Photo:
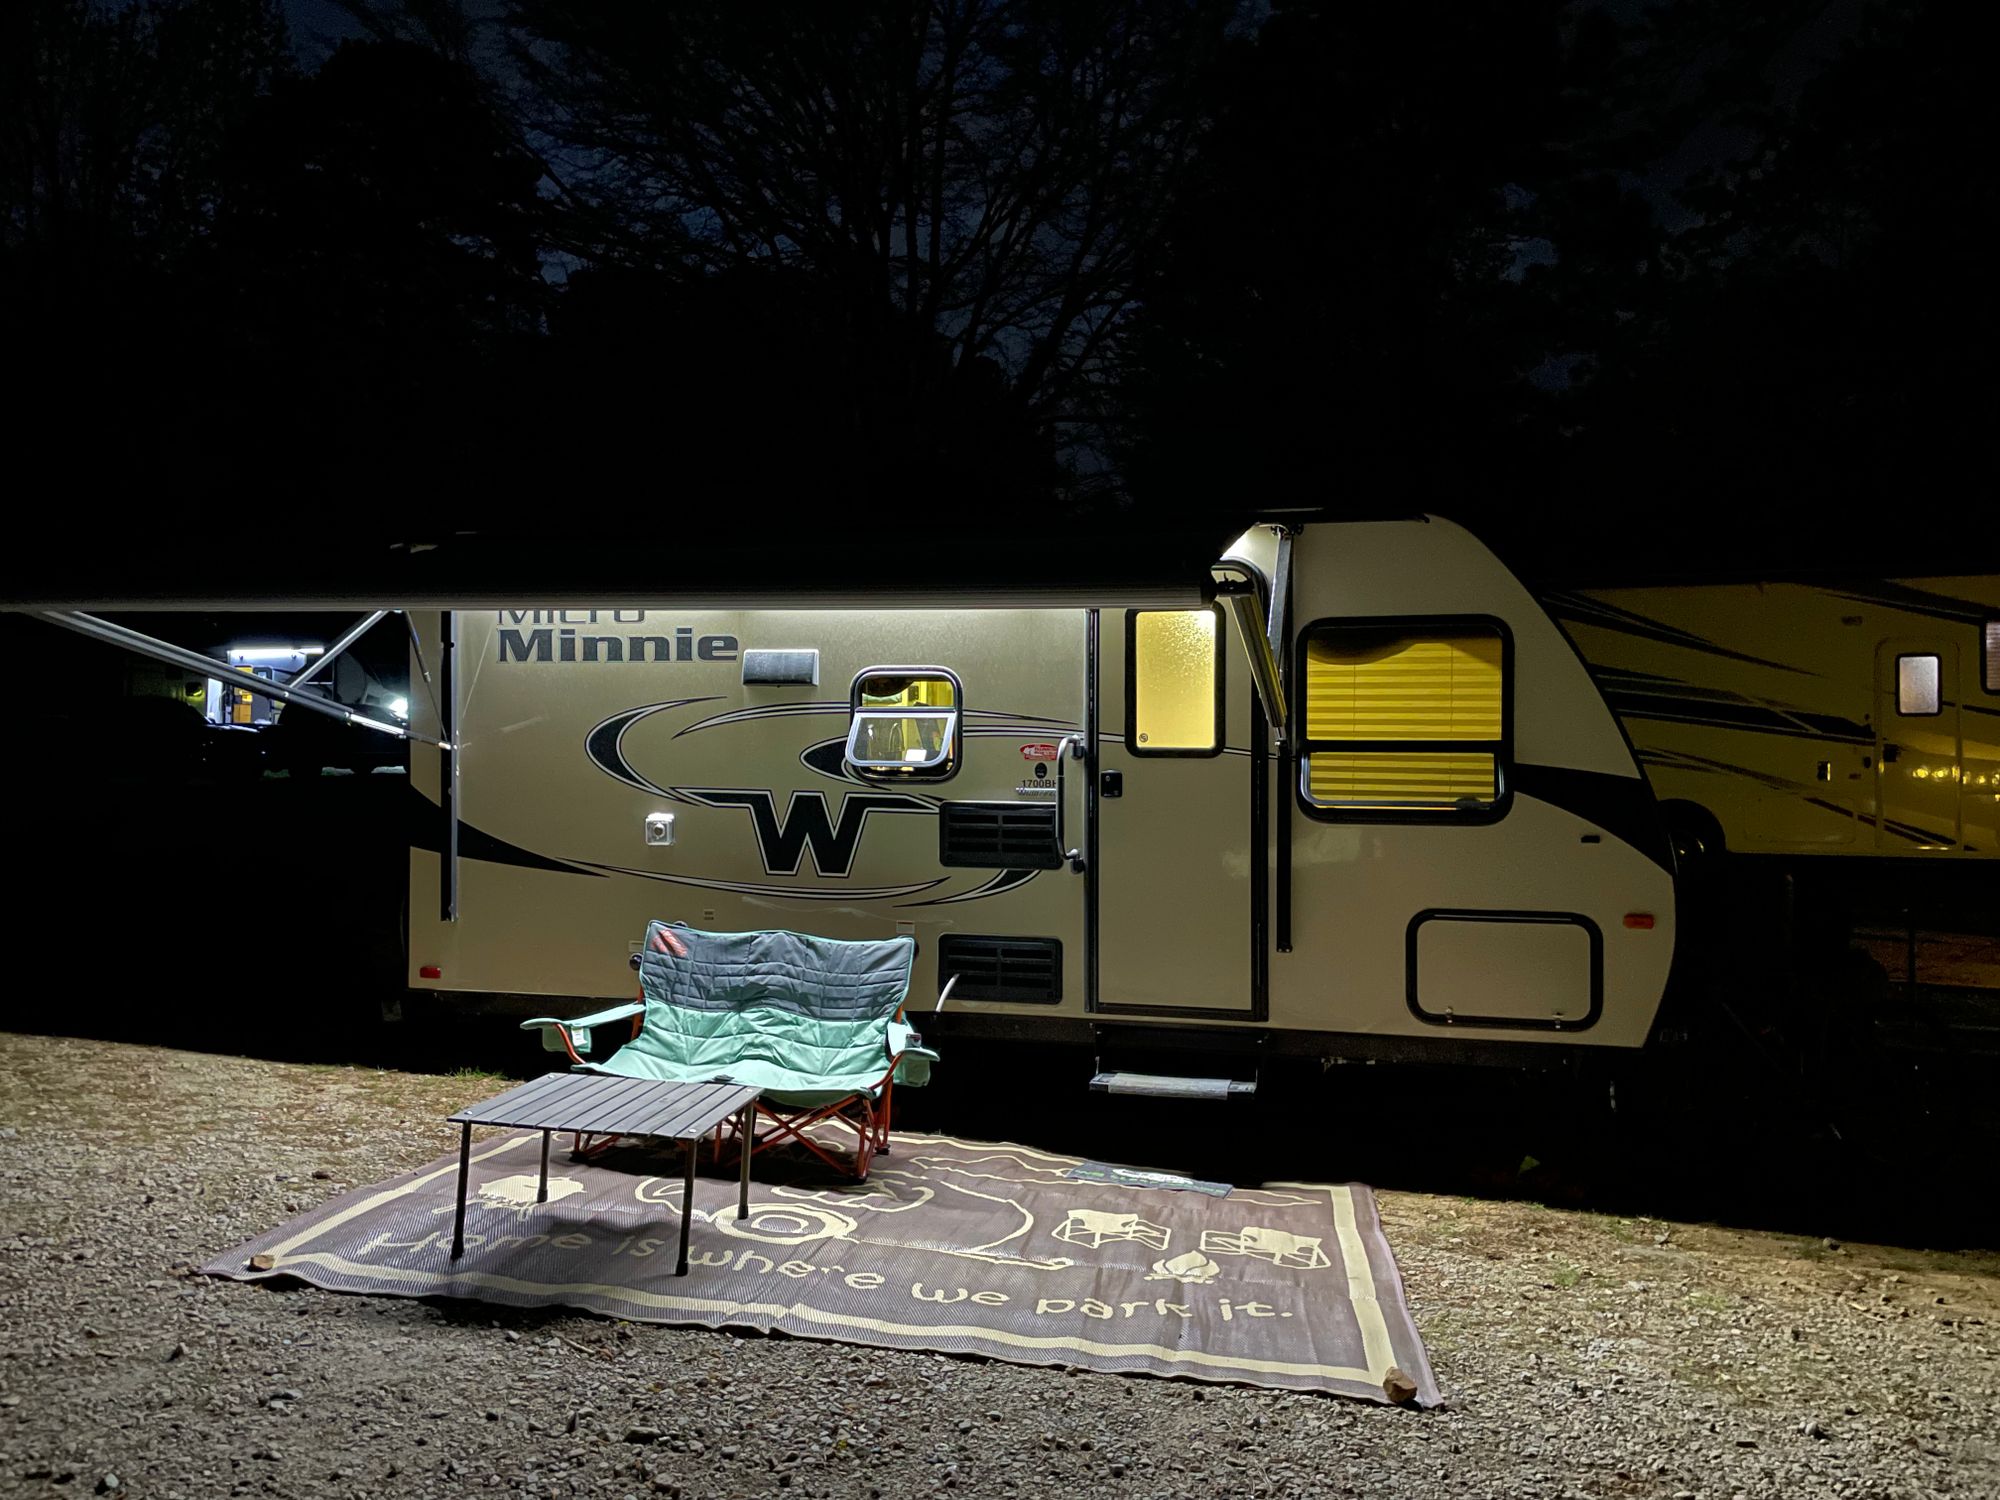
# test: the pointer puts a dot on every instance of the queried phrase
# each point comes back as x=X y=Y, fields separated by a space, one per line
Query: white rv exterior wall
x=1178 y=842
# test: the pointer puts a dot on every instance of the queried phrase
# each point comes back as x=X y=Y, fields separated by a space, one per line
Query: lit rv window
x=1403 y=719
x=905 y=724
x=1917 y=693
x=1174 y=663
x=1992 y=673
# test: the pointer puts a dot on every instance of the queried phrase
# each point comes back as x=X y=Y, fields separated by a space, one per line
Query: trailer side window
x=1992 y=673
x=1173 y=661
x=1917 y=690
x=904 y=724
x=1403 y=719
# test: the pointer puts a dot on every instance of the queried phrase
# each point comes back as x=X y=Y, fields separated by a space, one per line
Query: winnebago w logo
x=806 y=824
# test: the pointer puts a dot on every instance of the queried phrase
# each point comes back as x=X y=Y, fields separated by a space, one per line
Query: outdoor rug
x=955 y=1246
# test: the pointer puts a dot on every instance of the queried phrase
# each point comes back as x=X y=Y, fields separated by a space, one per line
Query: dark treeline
x=1690 y=282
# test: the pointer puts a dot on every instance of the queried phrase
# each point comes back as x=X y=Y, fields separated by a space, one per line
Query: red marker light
x=432 y=971
x=1639 y=921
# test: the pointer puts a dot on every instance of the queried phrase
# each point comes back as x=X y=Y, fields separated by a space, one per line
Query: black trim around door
x=1260 y=861
x=1092 y=686
x=1256 y=764
x=448 y=766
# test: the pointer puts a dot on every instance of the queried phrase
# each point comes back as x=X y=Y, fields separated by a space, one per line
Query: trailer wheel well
x=1695 y=831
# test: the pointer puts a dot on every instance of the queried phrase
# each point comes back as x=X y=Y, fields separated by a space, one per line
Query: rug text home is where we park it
x=954 y=1246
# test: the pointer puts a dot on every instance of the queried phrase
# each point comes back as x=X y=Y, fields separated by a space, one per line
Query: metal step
x=1170 y=1086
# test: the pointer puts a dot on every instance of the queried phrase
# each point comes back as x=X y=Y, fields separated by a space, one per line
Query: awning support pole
x=332 y=653
x=209 y=666
x=417 y=654
x=1274 y=624
x=448 y=765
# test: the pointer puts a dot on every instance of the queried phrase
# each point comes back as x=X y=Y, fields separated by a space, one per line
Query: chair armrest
x=623 y=1012
x=573 y=1035
x=909 y=1058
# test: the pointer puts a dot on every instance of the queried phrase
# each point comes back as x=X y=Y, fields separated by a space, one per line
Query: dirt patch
x=1579 y=1354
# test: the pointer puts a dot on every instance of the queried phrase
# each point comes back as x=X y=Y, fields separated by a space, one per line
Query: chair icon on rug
x=1297 y=1252
x=1091 y=1228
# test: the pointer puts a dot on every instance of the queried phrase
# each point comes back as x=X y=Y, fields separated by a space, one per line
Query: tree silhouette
x=1816 y=334
x=960 y=189
x=1559 y=271
x=1626 y=295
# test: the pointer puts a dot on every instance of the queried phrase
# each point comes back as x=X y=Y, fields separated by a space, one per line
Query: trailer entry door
x=1175 y=835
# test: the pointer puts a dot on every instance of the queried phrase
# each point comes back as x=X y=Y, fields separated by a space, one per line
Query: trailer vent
x=1024 y=970
x=998 y=835
x=781 y=668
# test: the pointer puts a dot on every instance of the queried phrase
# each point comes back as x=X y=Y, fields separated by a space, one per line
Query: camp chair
x=816 y=1023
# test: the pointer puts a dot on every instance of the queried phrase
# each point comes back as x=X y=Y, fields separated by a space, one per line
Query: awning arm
x=423 y=667
x=332 y=653
x=1257 y=604
x=209 y=666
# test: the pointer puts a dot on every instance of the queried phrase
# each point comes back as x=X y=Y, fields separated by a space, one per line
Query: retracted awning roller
x=1253 y=579
x=895 y=555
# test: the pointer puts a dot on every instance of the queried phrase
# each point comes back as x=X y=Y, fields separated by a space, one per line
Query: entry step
x=1170 y=1086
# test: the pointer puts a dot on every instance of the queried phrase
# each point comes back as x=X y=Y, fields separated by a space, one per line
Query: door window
x=1174 y=661
x=1917 y=694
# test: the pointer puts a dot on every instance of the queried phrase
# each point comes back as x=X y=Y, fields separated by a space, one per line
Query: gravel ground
x=1580 y=1355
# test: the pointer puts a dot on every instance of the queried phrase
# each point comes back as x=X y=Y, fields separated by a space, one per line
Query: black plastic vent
x=998 y=835
x=1026 y=970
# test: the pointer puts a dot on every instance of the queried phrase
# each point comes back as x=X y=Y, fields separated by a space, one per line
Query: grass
x=1708 y=1302
x=1565 y=1275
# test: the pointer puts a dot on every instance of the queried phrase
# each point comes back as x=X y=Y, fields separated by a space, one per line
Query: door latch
x=1111 y=784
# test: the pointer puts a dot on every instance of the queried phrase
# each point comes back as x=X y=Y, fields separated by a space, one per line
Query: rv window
x=1993 y=656
x=1173 y=661
x=1403 y=720
x=1917 y=693
x=904 y=724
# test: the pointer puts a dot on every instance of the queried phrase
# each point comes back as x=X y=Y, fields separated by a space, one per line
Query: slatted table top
x=599 y=1104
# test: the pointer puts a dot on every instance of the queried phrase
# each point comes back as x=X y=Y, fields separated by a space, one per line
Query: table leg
x=464 y=1170
x=542 y=1193
x=687 y=1202
x=743 y=1139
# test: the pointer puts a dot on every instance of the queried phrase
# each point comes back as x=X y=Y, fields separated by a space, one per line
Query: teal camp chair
x=814 y=1022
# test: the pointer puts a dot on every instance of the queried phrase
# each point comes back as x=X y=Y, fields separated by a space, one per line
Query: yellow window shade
x=1367 y=684
x=1173 y=681
x=1400 y=779
x=884 y=690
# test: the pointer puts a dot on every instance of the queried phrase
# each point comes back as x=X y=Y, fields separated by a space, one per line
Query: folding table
x=596 y=1104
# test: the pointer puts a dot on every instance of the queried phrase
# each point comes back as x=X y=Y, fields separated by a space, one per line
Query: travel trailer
x=1845 y=736
x=1365 y=803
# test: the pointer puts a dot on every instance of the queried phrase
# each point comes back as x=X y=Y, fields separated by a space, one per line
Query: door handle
x=1069 y=745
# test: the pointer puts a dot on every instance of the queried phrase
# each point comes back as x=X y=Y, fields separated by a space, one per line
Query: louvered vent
x=998 y=835
x=1025 y=970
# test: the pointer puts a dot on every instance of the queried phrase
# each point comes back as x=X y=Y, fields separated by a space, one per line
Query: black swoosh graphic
x=426 y=829
x=1622 y=806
